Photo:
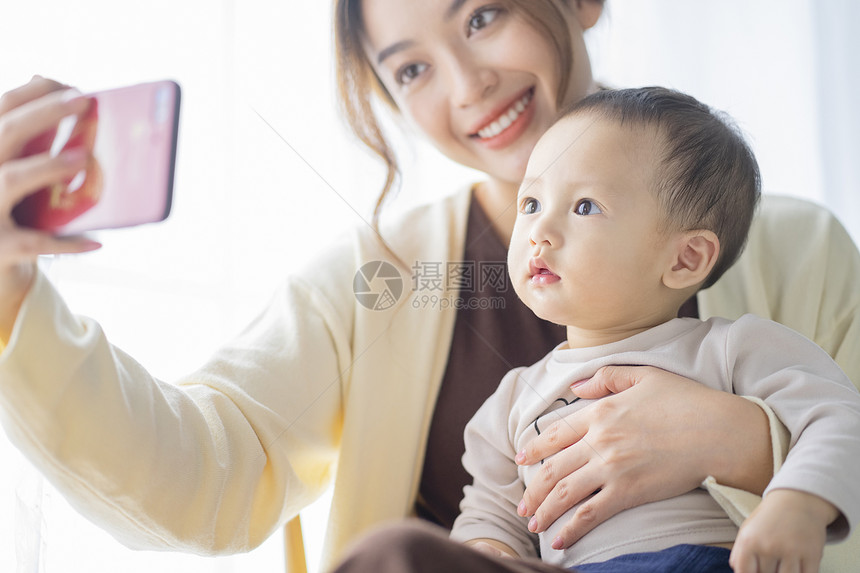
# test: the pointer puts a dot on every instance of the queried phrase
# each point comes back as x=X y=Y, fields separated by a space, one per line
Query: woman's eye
x=408 y=73
x=587 y=207
x=530 y=206
x=482 y=18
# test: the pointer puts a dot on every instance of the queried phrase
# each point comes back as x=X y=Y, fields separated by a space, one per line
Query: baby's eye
x=482 y=18
x=409 y=72
x=587 y=207
x=530 y=205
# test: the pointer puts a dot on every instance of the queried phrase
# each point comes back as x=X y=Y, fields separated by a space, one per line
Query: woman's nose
x=471 y=81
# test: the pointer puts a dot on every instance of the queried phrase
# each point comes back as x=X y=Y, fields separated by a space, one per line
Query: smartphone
x=132 y=132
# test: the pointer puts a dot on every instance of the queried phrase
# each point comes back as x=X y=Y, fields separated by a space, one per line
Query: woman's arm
x=211 y=465
x=660 y=436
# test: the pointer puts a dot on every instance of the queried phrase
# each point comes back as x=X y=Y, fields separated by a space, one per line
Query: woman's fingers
x=24 y=245
x=564 y=433
x=21 y=177
x=601 y=469
x=567 y=491
x=612 y=380
x=548 y=479
x=556 y=437
x=34 y=89
x=591 y=513
x=608 y=380
x=24 y=121
x=29 y=117
x=626 y=445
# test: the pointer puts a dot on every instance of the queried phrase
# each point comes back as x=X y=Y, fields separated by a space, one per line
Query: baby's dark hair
x=709 y=177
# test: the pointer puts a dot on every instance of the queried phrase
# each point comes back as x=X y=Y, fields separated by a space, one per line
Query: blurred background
x=267 y=175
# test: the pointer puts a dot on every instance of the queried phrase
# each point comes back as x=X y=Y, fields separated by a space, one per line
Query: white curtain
x=838 y=81
x=787 y=70
x=267 y=175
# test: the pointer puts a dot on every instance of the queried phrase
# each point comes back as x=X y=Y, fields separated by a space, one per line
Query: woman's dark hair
x=709 y=178
x=357 y=83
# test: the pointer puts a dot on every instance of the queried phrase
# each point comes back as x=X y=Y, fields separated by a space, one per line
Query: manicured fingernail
x=558 y=543
x=521 y=508
x=578 y=383
x=80 y=104
x=90 y=245
x=520 y=457
x=533 y=524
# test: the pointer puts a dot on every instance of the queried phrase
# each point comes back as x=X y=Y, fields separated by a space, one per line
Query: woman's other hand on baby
x=639 y=445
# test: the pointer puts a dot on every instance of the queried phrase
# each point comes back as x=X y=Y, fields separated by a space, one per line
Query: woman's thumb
x=607 y=380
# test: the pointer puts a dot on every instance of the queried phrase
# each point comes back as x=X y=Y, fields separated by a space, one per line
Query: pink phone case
x=133 y=134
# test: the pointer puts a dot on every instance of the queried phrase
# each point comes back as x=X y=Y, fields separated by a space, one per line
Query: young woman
x=322 y=389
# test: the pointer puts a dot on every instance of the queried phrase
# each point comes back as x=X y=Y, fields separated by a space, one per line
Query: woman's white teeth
x=506 y=119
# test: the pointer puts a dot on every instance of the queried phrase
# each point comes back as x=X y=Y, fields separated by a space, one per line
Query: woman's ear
x=695 y=255
x=588 y=12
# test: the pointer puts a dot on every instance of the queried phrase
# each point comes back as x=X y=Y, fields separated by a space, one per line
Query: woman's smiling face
x=474 y=76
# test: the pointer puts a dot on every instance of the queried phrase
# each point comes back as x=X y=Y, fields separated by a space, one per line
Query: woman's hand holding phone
x=129 y=137
x=71 y=163
x=30 y=115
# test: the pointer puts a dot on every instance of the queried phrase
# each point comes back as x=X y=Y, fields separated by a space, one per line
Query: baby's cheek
x=517 y=262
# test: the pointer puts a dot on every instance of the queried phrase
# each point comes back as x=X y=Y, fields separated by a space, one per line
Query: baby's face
x=586 y=250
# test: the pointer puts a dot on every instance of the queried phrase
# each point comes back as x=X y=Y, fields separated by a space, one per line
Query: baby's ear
x=695 y=254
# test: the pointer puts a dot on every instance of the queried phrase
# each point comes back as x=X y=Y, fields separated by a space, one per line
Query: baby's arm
x=821 y=409
x=786 y=532
x=488 y=518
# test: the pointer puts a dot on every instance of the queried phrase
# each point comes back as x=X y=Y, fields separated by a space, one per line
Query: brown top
x=486 y=344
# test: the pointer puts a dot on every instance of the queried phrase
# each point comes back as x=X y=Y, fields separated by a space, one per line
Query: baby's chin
x=554 y=318
x=544 y=310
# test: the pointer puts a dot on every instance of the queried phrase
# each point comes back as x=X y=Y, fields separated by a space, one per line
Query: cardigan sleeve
x=210 y=465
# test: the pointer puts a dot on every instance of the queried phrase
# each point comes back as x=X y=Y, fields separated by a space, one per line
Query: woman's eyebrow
x=452 y=10
x=393 y=49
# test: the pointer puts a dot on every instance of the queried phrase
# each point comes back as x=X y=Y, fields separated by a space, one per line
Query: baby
x=632 y=202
